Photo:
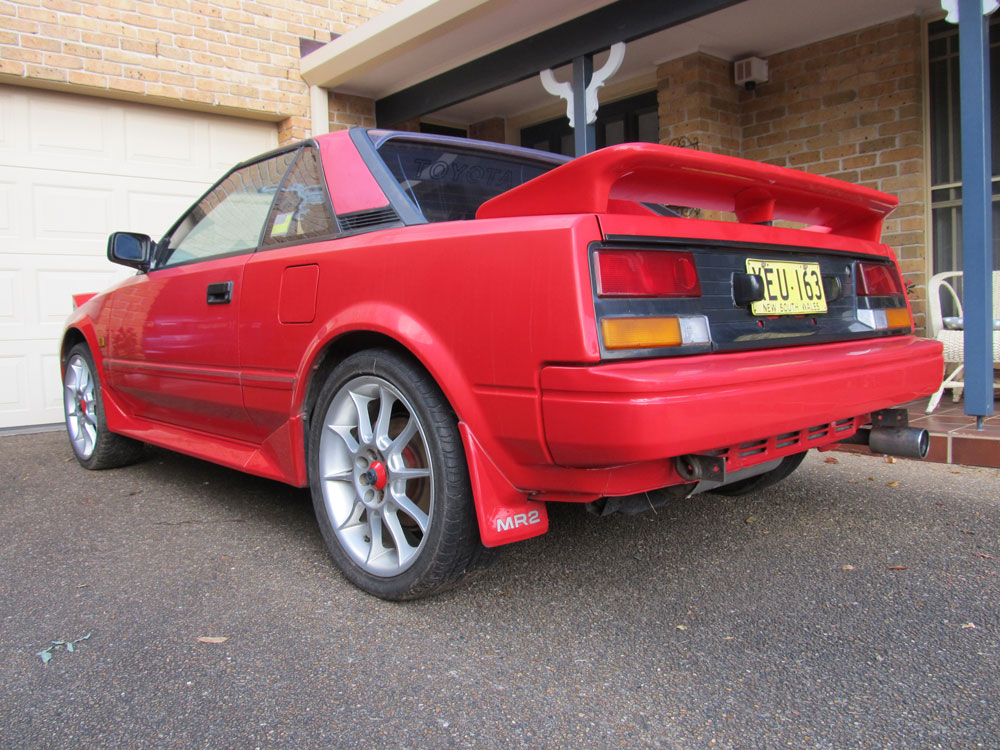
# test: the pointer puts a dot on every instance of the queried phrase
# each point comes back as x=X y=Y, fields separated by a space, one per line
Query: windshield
x=448 y=182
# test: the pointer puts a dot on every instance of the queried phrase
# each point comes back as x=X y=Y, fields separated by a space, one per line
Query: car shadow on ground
x=681 y=535
x=680 y=531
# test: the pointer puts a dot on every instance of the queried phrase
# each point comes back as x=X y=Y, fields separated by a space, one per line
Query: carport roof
x=419 y=47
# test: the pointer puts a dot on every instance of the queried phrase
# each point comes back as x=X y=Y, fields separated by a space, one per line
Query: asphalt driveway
x=855 y=605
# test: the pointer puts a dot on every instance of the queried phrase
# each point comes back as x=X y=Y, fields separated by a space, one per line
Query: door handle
x=220 y=293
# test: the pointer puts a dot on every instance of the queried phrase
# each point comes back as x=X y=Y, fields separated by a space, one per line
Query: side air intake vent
x=372 y=217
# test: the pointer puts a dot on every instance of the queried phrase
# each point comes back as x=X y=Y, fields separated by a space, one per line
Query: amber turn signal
x=640 y=333
x=885 y=318
x=897 y=317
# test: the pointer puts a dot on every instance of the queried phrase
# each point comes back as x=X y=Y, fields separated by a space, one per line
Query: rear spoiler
x=650 y=173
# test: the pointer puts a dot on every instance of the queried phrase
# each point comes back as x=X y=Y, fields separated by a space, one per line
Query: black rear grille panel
x=733 y=327
x=736 y=328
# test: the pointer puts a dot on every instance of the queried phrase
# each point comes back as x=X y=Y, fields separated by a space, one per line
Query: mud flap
x=505 y=514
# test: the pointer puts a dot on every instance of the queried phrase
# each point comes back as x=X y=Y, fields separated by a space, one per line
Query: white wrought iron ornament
x=951 y=6
x=564 y=90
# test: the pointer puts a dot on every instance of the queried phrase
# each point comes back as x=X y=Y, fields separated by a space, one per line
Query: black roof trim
x=621 y=21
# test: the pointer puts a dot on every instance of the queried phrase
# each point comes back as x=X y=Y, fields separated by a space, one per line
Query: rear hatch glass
x=448 y=182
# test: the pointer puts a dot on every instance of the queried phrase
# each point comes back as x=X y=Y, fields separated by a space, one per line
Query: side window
x=230 y=218
x=302 y=211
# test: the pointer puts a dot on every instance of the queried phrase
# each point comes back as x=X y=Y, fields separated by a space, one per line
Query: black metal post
x=584 y=135
x=977 y=216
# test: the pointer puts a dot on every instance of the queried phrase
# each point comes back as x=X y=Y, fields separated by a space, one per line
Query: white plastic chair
x=949 y=332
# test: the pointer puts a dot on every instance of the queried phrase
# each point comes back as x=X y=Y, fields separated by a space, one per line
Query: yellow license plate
x=789 y=288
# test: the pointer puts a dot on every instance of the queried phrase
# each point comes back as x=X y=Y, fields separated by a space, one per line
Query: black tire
x=392 y=494
x=93 y=444
x=763 y=481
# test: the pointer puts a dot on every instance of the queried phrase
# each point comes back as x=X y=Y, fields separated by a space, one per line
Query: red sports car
x=440 y=336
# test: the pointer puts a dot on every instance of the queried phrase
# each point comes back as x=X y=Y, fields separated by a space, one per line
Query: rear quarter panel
x=482 y=304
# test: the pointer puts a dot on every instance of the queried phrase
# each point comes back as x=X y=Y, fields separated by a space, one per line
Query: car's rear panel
x=708 y=364
x=848 y=309
x=644 y=410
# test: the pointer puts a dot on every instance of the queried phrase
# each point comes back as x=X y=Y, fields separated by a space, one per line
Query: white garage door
x=72 y=170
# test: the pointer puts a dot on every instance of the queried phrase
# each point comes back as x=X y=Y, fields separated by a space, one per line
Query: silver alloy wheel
x=376 y=477
x=80 y=402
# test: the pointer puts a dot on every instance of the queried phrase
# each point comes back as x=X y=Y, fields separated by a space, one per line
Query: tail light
x=667 y=317
x=880 y=292
x=644 y=273
x=878 y=280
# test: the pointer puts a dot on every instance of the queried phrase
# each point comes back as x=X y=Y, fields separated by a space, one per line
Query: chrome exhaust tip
x=906 y=442
x=891 y=435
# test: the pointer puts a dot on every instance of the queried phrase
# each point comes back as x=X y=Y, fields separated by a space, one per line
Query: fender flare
x=505 y=514
x=411 y=333
x=114 y=415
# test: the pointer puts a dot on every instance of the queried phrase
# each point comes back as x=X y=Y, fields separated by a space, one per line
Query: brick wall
x=238 y=57
x=347 y=111
x=849 y=107
x=698 y=103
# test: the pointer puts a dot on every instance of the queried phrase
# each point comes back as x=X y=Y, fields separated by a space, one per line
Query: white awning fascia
x=401 y=28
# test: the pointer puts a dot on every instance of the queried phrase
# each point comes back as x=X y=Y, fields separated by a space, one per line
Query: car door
x=173 y=345
x=278 y=309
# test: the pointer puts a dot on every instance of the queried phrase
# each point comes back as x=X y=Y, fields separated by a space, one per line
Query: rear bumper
x=623 y=413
